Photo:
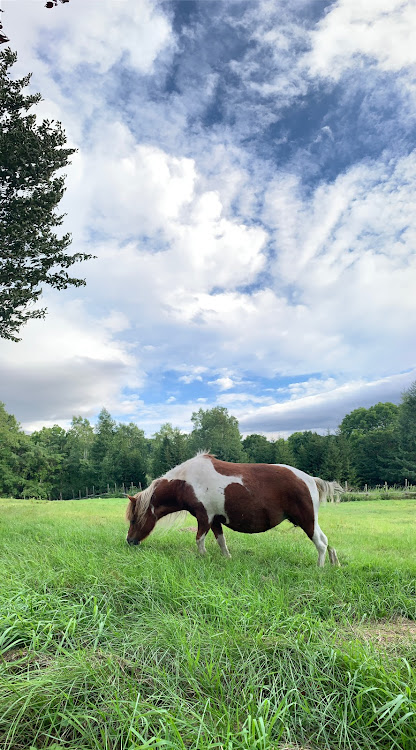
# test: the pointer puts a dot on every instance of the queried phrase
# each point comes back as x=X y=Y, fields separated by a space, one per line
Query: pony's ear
x=132 y=499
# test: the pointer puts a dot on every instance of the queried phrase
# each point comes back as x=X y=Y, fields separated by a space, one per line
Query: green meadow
x=105 y=646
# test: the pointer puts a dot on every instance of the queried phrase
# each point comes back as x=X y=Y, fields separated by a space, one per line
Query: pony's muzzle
x=132 y=541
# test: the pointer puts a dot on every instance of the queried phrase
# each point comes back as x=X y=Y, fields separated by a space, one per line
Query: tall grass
x=107 y=646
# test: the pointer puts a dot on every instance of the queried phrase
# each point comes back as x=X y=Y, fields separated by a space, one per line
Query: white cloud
x=192 y=374
x=348 y=252
x=98 y=34
x=382 y=31
x=223 y=384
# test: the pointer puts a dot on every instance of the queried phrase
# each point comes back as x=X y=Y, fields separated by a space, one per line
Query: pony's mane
x=137 y=512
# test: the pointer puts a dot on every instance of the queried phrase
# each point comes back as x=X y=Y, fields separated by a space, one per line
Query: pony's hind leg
x=321 y=543
x=219 y=535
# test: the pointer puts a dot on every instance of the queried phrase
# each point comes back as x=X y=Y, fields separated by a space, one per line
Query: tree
x=13 y=454
x=378 y=417
x=259 y=450
x=101 y=447
x=128 y=455
x=49 y=458
x=31 y=253
x=375 y=456
x=169 y=448
x=283 y=453
x=308 y=450
x=332 y=463
x=217 y=431
x=406 y=453
x=80 y=438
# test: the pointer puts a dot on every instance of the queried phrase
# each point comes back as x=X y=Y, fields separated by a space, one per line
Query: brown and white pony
x=245 y=497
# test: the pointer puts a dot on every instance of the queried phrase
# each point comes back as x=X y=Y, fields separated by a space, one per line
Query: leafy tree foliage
x=169 y=448
x=13 y=454
x=407 y=434
x=217 y=431
x=308 y=451
x=258 y=449
x=378 y=417
x=128 y=456
x=31 y=253
x=283 y=453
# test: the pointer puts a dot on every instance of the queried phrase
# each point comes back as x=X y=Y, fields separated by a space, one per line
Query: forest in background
x=371 y=446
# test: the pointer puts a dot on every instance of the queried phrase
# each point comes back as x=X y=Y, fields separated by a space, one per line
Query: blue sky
x=246 y=177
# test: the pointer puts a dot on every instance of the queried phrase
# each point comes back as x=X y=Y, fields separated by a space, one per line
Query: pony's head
x=141 y=515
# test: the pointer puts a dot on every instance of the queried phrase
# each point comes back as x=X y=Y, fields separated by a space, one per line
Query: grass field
x=107 y=646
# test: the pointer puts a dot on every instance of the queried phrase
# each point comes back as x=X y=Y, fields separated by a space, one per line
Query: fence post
x=405 y=484
x=86 y=492
x=93 y=491
x=365 y=488
x=115 y=489
x=385 y=486
x=79 y=494
x=346 y=486
x=108 y=489
x=123 y=489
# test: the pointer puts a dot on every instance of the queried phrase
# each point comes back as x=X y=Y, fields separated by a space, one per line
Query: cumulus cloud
x=382 y=31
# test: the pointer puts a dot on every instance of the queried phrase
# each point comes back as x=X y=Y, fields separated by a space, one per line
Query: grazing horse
x=245 y=497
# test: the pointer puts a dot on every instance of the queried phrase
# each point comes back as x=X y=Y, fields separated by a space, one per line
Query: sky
x=246 y=177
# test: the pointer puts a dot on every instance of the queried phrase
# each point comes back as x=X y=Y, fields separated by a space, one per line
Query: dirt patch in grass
x=23 y=657
x=385 y=632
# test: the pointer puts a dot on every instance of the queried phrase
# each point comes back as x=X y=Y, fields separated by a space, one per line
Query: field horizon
x=109 y=647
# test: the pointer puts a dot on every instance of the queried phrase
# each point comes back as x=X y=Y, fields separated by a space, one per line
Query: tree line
x=372 y=446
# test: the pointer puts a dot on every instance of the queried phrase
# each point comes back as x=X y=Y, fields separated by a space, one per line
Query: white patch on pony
x=321 y=543
x=207 y=484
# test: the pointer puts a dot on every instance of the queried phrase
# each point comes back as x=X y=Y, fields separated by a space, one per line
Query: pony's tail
x=327 y=490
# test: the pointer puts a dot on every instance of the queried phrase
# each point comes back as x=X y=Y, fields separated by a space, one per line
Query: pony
x=244 y=497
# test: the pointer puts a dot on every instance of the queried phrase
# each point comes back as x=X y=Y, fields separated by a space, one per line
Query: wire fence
x=109 y=490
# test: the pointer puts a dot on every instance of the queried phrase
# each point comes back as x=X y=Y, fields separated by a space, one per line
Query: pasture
x=105 y=646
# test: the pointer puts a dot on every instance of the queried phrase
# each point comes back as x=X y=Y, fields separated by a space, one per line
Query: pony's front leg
x=219 y=535
x=203 y=528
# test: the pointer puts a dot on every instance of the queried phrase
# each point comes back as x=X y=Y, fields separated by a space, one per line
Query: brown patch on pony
x=269 y=495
